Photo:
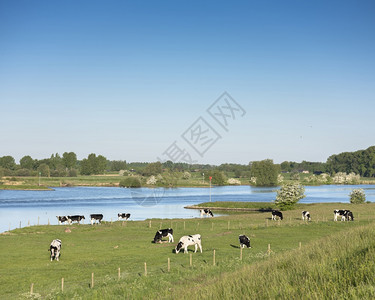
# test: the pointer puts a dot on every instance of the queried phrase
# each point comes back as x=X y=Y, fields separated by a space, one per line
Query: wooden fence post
x=149 y=224
x=300 y=245
x=169 y=264
x=118 y=273
x=62 y=284
x=32 y=288
x=145 y=269
x=214 y=259
x=269 y=249
x=92 y=280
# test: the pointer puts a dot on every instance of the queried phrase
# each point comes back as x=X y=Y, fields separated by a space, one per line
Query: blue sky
x=127 y=79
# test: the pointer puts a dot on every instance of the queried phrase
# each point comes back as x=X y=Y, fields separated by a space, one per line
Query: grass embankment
x=102 y=249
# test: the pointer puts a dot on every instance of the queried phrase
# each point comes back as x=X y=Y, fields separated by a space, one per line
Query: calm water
x=25 y=206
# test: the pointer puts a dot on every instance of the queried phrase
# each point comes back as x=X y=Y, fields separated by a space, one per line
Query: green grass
x=103 y=249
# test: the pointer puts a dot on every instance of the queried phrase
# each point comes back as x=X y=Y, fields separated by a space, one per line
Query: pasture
x=116 y=253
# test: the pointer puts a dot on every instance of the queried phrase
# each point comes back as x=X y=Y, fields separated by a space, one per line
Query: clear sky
x=130 y=80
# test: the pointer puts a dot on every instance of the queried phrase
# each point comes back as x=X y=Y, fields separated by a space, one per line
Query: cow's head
x=157 y=238
x=179 y=246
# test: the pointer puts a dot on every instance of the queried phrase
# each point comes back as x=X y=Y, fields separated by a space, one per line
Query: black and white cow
x=189 y=240
x=349 y=216
x=345 y=214
x=244 y=241
x=55 y=249
x=96 y=217
x=62 y=219
x=75 y=218
x=277 y=214
x=339 y=213
x=123 y=216
x=306 y=215
x=206 y=212
x=164 y=233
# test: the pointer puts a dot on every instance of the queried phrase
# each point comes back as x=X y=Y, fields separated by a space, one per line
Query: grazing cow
x=123 y=216
x=164 y=233
x=75 y=218
x=341 y=213
x=62 y=219
x=206 y=212
x=277 y=214
x=306 y=215
x=244 y=241
x=189 y=240
x=348 y=215
x=55 y=249
x=96 y=217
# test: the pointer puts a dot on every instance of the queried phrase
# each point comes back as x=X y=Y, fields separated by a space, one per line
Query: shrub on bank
x=357 y=196
x=289 y=194
x=130 y=182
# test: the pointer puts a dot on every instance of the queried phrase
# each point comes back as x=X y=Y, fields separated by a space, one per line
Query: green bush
x=357 y=196
x=289 y=194
x=130 y=182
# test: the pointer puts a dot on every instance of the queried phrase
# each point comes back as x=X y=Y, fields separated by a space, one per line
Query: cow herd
x=187 y=240
x=94 y=218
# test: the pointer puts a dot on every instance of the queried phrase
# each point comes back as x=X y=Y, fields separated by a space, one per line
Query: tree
x=27 y=162
x=218 y=177
x=7 y=162
x=69 y=160
x=153 y=169
x=44 y=170
x=117 y=165
x=265 y=172
x=357 y=196
x=93 y=164
x=288 y=195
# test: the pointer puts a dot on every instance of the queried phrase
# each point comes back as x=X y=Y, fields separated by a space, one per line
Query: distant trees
x=264 y=172
x=27 y=162
x=154 y=168
x=7 y=162
x=218 y=177
x=360 y=162
x=93 y=164
x=69 y=160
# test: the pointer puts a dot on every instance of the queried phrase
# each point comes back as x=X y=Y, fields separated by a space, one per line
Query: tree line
x=263 y=173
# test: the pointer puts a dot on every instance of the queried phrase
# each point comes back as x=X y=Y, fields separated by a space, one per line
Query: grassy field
x=103 y=249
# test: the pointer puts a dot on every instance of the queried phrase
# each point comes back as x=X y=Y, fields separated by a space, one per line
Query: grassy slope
x=103 y=249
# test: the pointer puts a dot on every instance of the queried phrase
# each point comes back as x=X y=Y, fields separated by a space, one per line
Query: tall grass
x=341 y=266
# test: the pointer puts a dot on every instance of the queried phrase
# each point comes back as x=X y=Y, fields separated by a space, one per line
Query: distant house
x=305 y=172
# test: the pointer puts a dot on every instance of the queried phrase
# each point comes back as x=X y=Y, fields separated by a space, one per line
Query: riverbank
x=108 y=180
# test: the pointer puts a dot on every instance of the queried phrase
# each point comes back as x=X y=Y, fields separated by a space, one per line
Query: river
x=20 y=208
